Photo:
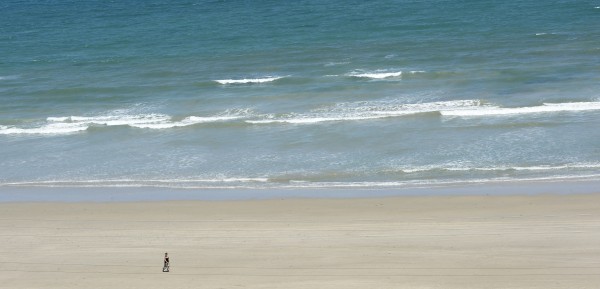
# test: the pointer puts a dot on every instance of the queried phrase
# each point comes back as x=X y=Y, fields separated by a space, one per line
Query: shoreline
x=19 y=194
x=451 y=241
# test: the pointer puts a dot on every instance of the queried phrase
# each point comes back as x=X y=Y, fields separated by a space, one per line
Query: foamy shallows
x=414 y=177
x=450 y=167
x=231 y=182
x=248 y=80
x=545 y=108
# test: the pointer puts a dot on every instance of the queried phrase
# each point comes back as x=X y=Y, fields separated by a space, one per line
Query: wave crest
x=248 y=80
x=365 y=111
x=73 y=124
x=352 y=111
x=377 y=74
x=544 y=108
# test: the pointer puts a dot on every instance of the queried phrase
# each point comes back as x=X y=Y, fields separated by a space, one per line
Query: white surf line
x=248 y=80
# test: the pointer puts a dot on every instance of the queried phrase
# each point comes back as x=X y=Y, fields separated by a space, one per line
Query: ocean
x=298 y=94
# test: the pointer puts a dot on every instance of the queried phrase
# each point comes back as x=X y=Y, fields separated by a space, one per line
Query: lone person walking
x=166 y=263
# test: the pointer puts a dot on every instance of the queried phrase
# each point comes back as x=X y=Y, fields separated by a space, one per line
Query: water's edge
x=153 y=194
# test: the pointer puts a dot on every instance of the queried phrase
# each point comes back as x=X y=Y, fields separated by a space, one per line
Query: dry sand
x=542 y=241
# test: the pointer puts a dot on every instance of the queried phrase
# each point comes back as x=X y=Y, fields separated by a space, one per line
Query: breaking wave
x=73 y=124
x=364 y=111
x=544 y=108
x=377 y=74
x=248 y=80
x=351 y=111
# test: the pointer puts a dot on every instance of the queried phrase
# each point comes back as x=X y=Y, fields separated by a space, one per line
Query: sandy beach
x=539 y=241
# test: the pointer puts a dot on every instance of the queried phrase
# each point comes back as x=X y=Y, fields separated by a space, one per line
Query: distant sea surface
x=296 y=94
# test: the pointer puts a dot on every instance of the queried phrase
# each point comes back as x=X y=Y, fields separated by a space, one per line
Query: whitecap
x=387 y=109
x=248 y=80
x=336 y=63
x=58 y=119
x=363 y=111
x=378 y=74
x=71 y=124
x=304 y=119
x=190 y=120
x=545 y=108
x=48 y=129
x=115 y=120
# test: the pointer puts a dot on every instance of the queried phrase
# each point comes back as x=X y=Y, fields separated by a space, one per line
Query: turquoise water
x=263 y=94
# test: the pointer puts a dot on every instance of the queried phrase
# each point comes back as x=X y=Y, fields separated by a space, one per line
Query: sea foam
x=433 y=168
x=190 y=120
x=72 y=124
x=545 y=108
x=352 y=111
x=185 y=183
x=51 y=128
x=376 y=110
x=363 y=111
x=378 y=74
x=329 y=64
x=248 y=80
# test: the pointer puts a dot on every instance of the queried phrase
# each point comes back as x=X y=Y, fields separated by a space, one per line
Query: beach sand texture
x=541 y=241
